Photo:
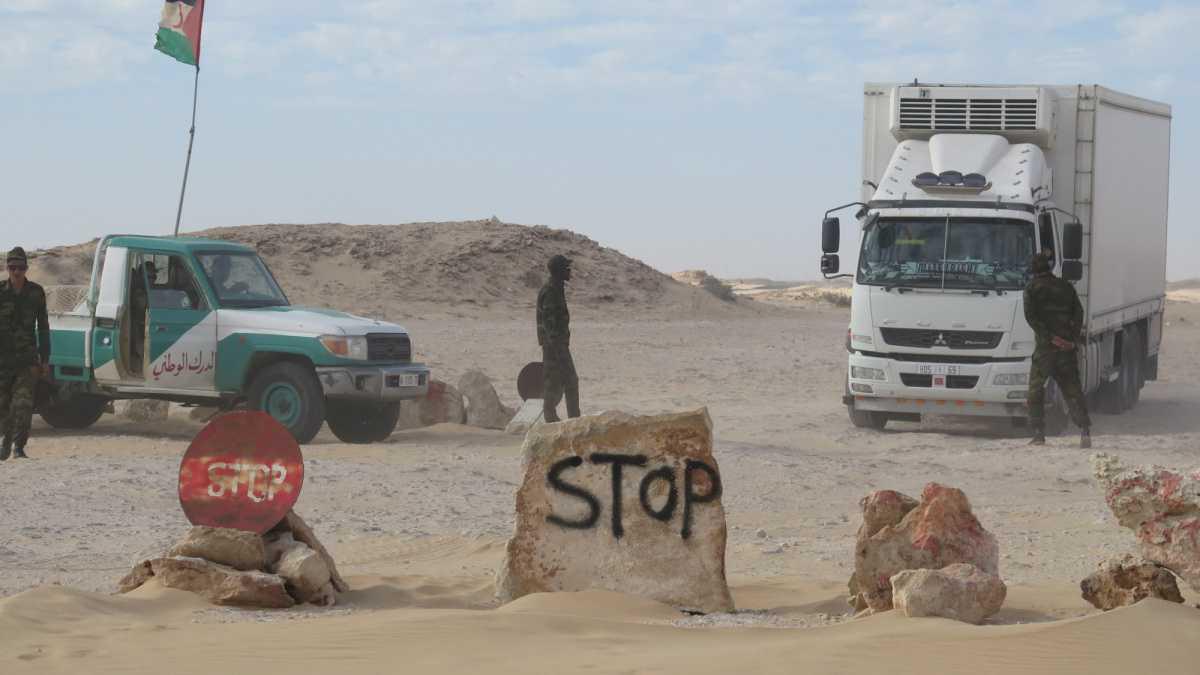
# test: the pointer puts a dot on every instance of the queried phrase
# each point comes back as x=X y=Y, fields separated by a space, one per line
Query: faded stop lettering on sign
x=227 y=478
x=693 y=491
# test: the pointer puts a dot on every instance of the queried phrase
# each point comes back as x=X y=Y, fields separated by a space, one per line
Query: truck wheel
x=78 y=412
x=362 y=422
x=1131 y=360
x=291 y=394
x=867 y=419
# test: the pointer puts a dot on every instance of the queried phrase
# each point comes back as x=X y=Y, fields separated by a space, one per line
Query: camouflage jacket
x=1052 y=308
x=553 y=319
x=24 y=325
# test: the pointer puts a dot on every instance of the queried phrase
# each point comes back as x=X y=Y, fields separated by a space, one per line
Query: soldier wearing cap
x=554 y=335
x=1053 y=310
x=24 y=352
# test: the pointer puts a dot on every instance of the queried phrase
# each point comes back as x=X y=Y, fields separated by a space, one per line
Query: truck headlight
x=1011 y=380
x=861 y=373
x=345 y=347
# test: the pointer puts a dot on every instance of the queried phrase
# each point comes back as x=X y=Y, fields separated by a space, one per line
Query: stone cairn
x=284 y=567
x=1162 y=508
x=925 y=558
x=473 y=402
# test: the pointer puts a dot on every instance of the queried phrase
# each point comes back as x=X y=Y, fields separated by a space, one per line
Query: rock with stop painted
x=1162 y=507
x=623 y=503
x=939 y=531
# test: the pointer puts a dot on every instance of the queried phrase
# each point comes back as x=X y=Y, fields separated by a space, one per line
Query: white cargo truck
x=961 y=185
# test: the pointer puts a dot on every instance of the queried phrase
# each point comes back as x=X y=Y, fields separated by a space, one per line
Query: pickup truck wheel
x=291 y=394
x=79 y=412
x=362 y=422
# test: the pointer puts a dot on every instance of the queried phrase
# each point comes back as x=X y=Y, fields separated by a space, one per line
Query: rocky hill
x=456 y=268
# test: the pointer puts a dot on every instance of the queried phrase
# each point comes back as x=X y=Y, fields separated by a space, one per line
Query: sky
x=687 y=133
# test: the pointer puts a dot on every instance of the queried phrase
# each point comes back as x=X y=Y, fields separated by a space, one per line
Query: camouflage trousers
x=560 y=378
x=17 y=388
x=1064 y=368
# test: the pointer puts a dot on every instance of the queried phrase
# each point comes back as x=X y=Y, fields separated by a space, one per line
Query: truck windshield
x=974 y=253
x=241 y=280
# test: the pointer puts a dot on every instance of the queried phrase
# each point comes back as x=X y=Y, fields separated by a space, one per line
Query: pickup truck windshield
x=241 y=280
x=972 y=253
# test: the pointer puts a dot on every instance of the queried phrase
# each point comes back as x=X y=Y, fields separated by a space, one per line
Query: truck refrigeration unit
x=961 y=185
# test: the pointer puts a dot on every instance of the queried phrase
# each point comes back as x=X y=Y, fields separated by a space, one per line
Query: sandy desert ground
x=418 y=523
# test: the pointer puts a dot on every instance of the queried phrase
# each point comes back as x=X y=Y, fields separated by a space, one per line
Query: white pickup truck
x=204 y=322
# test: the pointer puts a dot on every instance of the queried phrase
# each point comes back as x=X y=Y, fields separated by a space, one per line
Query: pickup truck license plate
x=402 y=380
x=938 y=370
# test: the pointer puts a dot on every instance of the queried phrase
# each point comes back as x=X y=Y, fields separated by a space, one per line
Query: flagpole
x=191 y=139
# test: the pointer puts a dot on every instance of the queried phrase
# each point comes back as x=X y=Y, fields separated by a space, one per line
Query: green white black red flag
x=179 y=30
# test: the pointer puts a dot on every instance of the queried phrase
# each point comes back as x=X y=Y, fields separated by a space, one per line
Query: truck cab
x=204 y=322
x=962 y=184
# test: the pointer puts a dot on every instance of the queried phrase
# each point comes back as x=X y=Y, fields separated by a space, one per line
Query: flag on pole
x=179 y=30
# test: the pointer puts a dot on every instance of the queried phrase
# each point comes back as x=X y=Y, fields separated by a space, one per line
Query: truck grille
x=389 y=348
x=952 y=381
x=953 y=339
x=969 y=114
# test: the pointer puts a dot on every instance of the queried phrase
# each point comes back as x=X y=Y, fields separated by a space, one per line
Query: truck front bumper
x=966 y=389
x=377 y=383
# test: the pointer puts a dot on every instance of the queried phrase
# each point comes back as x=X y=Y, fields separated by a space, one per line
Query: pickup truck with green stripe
x=203 y=322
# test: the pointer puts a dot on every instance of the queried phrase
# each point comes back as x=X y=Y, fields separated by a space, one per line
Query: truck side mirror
x=1072 y=241
x=830 y=263
x=1072 y=270
x=831 y=235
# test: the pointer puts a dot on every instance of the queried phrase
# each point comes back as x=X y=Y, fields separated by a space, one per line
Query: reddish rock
x=938 y=532
x=880 y=509
x=441 y=405
x=1162 y=507
x=1125 y=581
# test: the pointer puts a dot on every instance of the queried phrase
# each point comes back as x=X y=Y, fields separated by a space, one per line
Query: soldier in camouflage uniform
x=1053 y=310
x=24 y=352
x=554 y=335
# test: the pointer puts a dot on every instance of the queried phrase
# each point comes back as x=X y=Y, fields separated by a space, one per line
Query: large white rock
x=142 y=410
x=304 y=570
x=484 y=408
x=962 y=592
x=664 y=541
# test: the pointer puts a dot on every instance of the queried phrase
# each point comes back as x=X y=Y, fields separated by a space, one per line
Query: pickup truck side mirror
x=831 y=235
x=1072 y=241
x=1072 y=270
x=830 y=263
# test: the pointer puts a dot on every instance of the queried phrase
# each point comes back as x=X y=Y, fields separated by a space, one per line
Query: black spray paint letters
x=618 y=462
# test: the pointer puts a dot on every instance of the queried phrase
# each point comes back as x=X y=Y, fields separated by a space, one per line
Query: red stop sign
x=243 y=471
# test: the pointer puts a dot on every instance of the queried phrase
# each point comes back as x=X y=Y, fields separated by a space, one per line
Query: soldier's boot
x=572 y=403
x=1039 y=435
x=19 y=453
x=1085 y=438
x=549 y=413
x=5 y=449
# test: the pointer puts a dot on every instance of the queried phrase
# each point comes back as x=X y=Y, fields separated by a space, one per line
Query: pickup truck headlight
x=345 y=347
x=1012 y=380
x=861 y=373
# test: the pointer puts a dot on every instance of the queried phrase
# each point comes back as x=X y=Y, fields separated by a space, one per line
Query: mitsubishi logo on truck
x=941 y=340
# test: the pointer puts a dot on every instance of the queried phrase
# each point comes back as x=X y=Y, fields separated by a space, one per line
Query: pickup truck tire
x=355 y=422
x=291 y=394
x=78 y=412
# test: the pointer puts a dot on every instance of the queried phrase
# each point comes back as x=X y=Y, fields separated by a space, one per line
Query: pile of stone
x=1162 y=507
x=285 y=567
x=925 y=558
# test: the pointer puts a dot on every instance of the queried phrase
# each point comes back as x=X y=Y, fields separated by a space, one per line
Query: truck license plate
x=937 y=370
x=402 y=380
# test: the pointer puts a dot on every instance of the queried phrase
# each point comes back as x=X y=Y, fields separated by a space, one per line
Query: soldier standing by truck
x=24 y=352
x=554 y=335
x=1053 y=310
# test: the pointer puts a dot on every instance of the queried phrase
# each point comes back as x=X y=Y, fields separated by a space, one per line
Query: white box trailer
x=1052 y=154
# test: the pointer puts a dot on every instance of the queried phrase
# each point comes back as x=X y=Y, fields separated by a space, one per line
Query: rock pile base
x=284 y=567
